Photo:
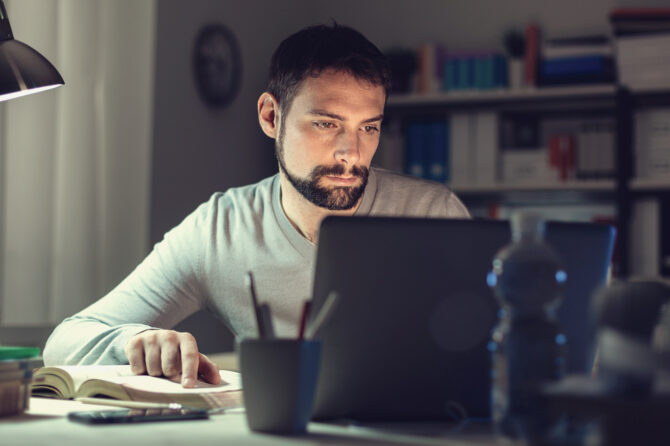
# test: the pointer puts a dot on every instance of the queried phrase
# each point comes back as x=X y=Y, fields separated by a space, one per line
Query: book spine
x=644 y=242
x=658 y=144
x=574 y=65
x=416 y=149
x=486 y=150
x=532 y=54
x=391 y=152
x=559 y=52
x=640 y=143
x=437 y=154
x=665 y=238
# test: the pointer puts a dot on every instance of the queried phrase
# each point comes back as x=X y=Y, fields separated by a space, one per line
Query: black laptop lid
x=408 y=337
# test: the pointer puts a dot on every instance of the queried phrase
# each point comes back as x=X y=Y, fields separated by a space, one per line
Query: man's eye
x=371 y=129
x=323 y=124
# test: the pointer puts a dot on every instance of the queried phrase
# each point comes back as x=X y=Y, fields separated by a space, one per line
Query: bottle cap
x=527 y=225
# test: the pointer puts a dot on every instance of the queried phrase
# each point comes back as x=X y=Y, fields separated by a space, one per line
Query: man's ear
x=268 y=114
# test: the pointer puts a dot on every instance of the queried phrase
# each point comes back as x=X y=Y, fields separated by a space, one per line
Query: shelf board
x=648 y=184
x=502 y=95
x=571 y=186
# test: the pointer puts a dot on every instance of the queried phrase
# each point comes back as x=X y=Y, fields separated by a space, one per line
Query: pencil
x=256 y=307
x=129 y=404
x=303 y=318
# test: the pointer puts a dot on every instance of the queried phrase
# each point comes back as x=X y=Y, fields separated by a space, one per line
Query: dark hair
x=315 y=49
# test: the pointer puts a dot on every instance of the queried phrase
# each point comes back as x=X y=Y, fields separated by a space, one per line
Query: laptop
x=407 y=339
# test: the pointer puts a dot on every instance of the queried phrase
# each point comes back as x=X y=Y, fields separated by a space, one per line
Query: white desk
x=45 y=424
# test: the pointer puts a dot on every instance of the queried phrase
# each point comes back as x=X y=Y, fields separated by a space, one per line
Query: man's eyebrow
x=376 y=118
x=328 y=114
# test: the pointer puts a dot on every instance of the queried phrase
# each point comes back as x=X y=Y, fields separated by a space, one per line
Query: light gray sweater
x=202 y=262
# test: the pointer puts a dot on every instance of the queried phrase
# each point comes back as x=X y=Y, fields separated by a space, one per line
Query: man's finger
x=135 y=355
x=208 y=370
x=152 y=356
x=189 y=359
x=170 y=359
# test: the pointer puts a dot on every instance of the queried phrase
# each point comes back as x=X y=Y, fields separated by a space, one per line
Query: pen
x=325 y=311
x=256 y=307
x=129 y=404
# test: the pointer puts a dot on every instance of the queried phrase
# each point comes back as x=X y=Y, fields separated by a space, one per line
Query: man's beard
x=338 y=198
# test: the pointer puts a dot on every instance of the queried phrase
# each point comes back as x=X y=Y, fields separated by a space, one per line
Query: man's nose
x=348 y=148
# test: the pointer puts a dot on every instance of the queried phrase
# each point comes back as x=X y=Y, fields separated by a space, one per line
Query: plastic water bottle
x=661 y=346
x=527 y=346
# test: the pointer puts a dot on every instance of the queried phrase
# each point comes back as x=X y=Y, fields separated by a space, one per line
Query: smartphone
x=136 y=415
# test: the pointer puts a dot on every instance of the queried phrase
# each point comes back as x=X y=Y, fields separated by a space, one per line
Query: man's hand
x=172 y=354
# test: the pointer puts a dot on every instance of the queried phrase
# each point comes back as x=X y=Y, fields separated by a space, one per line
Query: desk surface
x=45 y=424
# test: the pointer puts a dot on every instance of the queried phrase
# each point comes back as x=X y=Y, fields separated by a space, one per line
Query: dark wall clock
x=217 y=65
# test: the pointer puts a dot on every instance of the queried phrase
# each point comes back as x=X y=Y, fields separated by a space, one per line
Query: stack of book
x=428 y=150
x=556 y=150
x=16 y=371
x=442 y=70
x=484 y=70
x=473 y=145
x=576 y=60
x=642 y=47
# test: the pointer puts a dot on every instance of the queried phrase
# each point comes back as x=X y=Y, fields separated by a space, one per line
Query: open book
x=119 y=382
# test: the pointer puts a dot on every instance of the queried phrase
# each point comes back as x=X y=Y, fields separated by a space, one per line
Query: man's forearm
x=82 y=340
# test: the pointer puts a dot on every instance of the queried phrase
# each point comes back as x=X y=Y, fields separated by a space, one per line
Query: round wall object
x=217 y=65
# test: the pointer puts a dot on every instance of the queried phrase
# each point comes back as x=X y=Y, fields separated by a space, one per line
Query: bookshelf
x=570 y=192
x=604 y=186
x=583 y=102
x=649 y=185
x=502 y=96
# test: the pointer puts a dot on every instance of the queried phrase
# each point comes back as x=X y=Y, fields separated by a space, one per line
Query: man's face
x=328 y=138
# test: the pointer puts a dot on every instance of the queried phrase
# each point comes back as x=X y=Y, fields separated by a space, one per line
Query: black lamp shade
x=22 y=69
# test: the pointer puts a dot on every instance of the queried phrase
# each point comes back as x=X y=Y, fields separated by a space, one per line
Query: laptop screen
x=408 y=337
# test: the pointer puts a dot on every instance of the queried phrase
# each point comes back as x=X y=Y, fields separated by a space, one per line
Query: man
x=324 y=107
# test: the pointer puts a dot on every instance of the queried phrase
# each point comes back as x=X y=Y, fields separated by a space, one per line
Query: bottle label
x=499 y=390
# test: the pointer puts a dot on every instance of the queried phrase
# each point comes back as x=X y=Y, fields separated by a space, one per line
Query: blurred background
x=558 y=106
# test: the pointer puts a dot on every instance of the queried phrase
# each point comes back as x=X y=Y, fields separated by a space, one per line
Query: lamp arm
x=5 y=27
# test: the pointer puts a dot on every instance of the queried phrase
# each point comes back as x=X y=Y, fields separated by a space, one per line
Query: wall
x=198 y=151
x=468 y=24
x=75 y=191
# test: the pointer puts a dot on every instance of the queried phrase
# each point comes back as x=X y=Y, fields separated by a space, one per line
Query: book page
x=121 y=374
x=81 y=373
x=229 y=381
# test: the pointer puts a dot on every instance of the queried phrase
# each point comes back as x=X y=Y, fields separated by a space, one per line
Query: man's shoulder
x=393 y=179
x=401 y=194
x=238 y=201
x=249 y=192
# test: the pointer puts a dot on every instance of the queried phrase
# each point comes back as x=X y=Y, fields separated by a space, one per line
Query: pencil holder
x=279 y=379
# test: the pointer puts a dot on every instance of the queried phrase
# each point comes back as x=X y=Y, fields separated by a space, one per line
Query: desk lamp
x=22 y=69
